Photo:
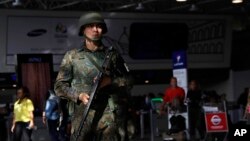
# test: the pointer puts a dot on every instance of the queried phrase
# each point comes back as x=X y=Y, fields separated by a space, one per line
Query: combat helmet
x=89 y=18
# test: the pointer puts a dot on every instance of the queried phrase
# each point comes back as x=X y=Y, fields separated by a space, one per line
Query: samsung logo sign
x=36 y=32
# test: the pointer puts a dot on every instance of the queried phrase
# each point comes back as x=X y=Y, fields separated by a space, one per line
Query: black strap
x=94 y=62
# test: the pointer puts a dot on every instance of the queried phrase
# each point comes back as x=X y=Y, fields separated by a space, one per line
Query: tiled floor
x=148 y=139
x=41 y=133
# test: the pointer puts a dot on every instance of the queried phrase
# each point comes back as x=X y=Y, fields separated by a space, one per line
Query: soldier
x=77 y=73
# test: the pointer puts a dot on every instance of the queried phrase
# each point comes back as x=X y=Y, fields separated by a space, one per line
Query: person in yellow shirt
x=23 y=117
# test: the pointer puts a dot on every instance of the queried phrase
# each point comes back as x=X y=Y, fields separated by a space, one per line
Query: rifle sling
x=94 y=62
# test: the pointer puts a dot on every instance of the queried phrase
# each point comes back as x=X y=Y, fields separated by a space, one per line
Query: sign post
x=180 y=72
x=216 y=120
x=180 y=68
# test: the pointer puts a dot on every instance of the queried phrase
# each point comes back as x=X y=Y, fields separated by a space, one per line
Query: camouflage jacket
x=77 y=72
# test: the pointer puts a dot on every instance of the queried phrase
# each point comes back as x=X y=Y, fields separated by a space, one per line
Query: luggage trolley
x=162 y=124
x=183 y=113
x=155 y=120
x=157 y=123
x=181 y=117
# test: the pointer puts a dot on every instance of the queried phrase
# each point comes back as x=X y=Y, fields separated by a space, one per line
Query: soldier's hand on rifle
x=84 y=97
x=105 y=81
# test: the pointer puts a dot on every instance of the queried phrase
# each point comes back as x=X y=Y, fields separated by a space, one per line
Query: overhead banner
x=41 y=35
x=179 y=59
x=208 y=39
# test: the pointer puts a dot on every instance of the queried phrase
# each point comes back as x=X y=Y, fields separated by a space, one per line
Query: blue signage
x=179 y=59
x=35 y=60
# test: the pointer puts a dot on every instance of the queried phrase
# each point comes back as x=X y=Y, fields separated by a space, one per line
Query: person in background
x=76 y=76
x=194 y=97
x=23 y=118
x=4 y=111
x=65 y=126
x=51 y=115
x=242 y=100
x=174 y=96
x=247 y=110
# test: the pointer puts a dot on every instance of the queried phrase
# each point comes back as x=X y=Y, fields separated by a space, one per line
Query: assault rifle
x=95 y=86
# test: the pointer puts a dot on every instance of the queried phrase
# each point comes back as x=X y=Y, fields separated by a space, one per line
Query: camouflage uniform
x=104 y=121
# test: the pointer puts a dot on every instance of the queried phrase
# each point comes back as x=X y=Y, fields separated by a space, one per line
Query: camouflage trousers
x=101 y=124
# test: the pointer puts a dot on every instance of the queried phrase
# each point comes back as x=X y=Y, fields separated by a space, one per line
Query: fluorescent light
x=140 y=6
x=237 y=1
x=181 y=0
x=193 y=8
x=17 y=3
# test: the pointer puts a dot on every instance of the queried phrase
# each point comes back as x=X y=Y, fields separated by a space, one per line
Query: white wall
x=220 y=87
x=241 y=79
x=3 y=39
x=145 y=89
x=232 y=87
x=223 y=87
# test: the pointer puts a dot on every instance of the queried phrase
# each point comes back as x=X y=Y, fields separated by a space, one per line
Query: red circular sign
x=216 y=120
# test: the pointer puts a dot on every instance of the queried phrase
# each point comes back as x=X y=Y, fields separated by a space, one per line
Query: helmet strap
x=92 y=39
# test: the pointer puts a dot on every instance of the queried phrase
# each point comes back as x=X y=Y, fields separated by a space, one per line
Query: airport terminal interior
x=205 y=43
